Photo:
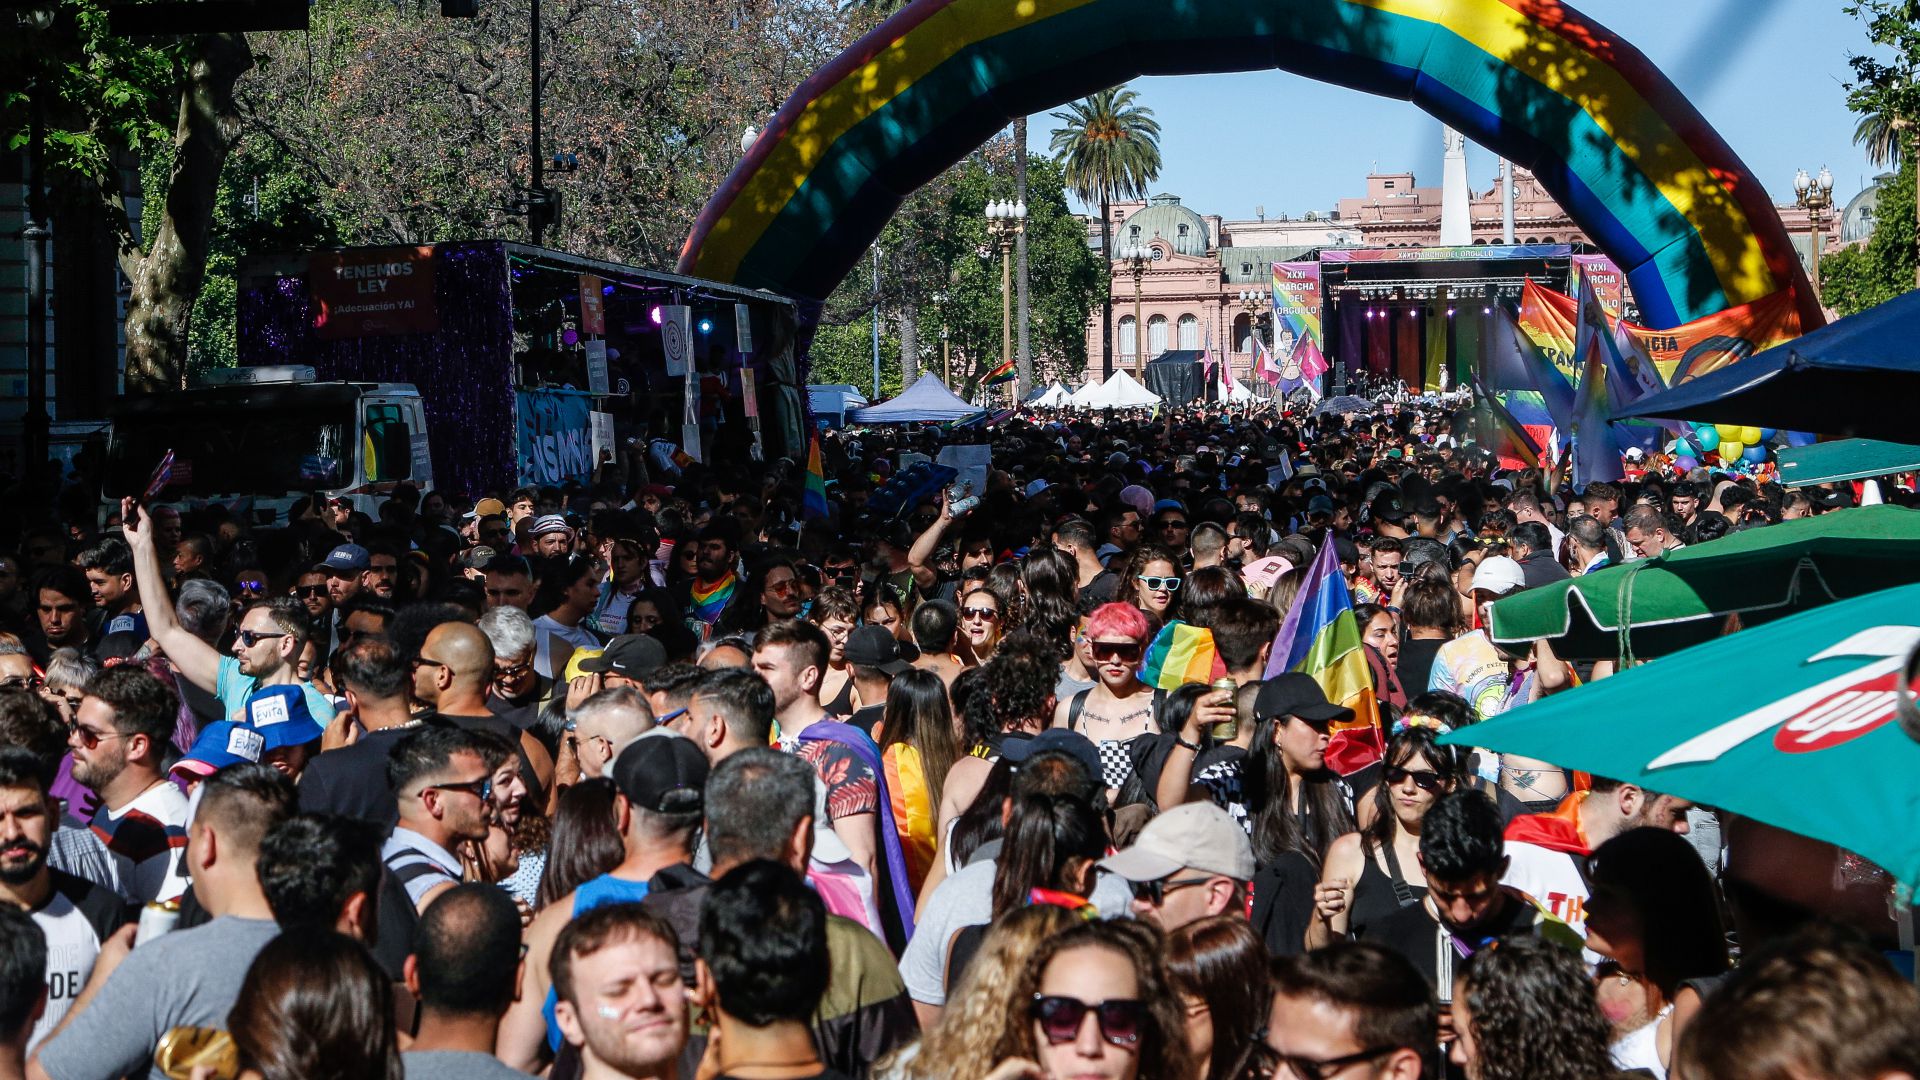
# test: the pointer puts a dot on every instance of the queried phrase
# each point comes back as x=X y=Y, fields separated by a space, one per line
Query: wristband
x=1178 y=741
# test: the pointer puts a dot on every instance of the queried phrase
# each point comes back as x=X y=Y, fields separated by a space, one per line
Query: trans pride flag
x=1181 y=654
x=1320 y=637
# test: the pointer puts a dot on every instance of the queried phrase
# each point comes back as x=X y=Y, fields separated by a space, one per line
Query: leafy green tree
x=1857 y=278
x=1886 y=91
x=1109 y=148
x=106 y=101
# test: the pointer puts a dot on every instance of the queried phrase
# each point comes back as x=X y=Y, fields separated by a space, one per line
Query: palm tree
x=1882 y=136
x=1109 y=148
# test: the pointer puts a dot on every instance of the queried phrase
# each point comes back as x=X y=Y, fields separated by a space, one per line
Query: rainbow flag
x=813 y=502
x=1005 y=373
x=710 y=600
x=1181 y=654
x=1510 y=438
x=1320 y=637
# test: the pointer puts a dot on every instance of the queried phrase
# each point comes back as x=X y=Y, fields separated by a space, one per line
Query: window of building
x=1388 y=184
x=1127 y=337
x=1156 y=336
x=1242 y=334
x=1183 y=229
x=1189 y=332
x=1246 y=269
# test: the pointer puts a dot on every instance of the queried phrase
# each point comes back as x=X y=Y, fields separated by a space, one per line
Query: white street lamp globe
x=747 y=137
x=1826 y=179
x=1020 y=208
x=1801 y=181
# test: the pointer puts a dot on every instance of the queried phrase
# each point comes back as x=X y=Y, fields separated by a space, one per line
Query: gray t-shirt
x=189 y=978
x=966 y=899
x=456 y=1065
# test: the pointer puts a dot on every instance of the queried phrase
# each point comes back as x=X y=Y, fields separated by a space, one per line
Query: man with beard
x=77 y=916
x=620 y=997
x=444 y=790
x=715 y=580
x=119 y=743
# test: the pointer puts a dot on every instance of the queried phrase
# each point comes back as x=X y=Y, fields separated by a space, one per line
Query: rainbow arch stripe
x=1622 y=149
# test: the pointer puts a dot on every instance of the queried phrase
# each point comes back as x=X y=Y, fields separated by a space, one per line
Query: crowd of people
x=667 y=776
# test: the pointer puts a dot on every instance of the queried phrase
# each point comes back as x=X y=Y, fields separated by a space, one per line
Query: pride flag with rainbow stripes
x=1181 y=654
x=1320 y=637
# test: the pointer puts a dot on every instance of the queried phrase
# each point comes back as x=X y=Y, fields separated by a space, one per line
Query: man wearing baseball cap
x=626 y=660
x=1188 y=863
x=662 y=781
x=1471 y=665
x=873 y=656
x=289 y=733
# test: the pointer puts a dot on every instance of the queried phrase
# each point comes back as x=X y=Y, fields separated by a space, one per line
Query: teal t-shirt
x=233 y=688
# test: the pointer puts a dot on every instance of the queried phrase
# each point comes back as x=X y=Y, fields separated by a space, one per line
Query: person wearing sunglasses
x=1118 y=708
x=444 y=793
x=981 y=621
x=1188 y=863
x=1155 y=575
x=1097 y=1003
x=1374 y=872
x=1323 y=1002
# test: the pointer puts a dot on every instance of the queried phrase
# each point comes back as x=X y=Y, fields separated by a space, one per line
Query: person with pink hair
x=1118 y=708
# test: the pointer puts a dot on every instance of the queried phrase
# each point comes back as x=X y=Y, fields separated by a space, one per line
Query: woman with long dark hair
x=769 y=592
x=1374 y=872
x=1289 y=799
x=585 y=842
x=983 y=621
x=918 y=744
x=1153 y=581
x=1047 y=588
x=1218 y=966
x=315 y=1006
x=1655 y=915
x=1526 y=1011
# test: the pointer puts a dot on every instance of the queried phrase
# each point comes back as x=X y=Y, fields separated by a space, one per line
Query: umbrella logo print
x=1845 y=716
x=1831 y=712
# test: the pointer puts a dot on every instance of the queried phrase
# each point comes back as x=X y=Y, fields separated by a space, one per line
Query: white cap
x=1498 y=575
x=1195 y=834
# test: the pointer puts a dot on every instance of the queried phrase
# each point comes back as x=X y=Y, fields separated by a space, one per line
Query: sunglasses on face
x=90 y=738
x=251 y=588
x=1159 y=584
x=780 y=588
x=481 y=789
x=511 y=672
x=1424 y=779
x=1309 y=1069
x=1173 y=523
x=250 y=638
x=1127 y=652
x=985 y=613
x=310 y=592
x=1060 y=1018
x=21 y=682
x=1155 y=892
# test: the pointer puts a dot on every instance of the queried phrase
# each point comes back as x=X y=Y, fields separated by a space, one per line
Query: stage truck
x=468 y=367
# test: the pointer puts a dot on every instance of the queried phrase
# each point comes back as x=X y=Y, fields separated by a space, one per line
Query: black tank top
x=1374 y=895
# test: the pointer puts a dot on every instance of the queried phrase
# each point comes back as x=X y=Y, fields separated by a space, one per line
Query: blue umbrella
x=1857 y=376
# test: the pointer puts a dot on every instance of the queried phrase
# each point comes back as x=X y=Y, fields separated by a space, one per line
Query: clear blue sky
x=1768 y=74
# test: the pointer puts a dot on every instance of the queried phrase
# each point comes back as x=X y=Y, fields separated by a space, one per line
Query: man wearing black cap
x=626 y=661
x=874 y=657
x=661 y=778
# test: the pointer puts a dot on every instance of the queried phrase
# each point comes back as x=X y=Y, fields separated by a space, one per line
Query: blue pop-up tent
x=1856 y=376
x=924 y=401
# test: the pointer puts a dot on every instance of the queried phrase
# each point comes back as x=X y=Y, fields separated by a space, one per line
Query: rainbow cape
x=710 y=600
x=1320 y=637
x=813 y=502
x=1005 y=373
x=1180 y=654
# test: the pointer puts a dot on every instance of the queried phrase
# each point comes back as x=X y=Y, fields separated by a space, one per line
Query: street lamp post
x=1251 y=301
x=1005 y=222
x=1815 y=195
x=1137 y=257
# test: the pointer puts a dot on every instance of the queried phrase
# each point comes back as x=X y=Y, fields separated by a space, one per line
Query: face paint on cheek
x=608 y=1012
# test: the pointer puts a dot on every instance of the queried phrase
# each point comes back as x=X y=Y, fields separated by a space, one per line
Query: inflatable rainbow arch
x=1534 y=80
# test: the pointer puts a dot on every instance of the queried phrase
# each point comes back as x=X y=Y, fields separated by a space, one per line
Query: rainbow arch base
x=1631 y=160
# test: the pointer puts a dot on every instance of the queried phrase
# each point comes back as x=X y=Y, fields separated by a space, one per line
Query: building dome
x=1164 y=217
x=1857 y=220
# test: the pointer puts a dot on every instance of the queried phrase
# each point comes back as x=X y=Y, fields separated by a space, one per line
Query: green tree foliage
x=1109 y=148
x=1885 y=91
x=950 y=273
x=1857 y=278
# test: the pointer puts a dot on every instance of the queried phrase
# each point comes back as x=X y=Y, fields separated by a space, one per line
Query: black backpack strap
x=1402 y=891
x=1075 y=705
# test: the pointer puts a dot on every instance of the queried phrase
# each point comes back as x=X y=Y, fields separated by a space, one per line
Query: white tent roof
x=1240 y=392
x=924 y=400
x=1120 y=391
x=1051 y=398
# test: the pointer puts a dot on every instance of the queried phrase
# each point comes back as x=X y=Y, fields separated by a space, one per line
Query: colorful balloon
x=1728 y=431
x=1755 y=455
x=1750 y=435
x=1801 y=438
x=1731 y=449
x=1767 y=434
x=1686 y=462
x=1706 y=437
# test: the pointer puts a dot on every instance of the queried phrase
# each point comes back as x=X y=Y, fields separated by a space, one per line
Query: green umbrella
x=1678 y=598
x=1792 y=724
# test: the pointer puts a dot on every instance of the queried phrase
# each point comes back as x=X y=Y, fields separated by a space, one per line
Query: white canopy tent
x=1120 y=391
x=1240 y=392
x=1053 y=397
x=925 y=400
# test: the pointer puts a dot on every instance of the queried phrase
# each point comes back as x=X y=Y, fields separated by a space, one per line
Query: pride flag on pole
x=1005 y=373
x=813 y=503
x=1263 y=365
x=1181 y=654
x=1320 y=637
